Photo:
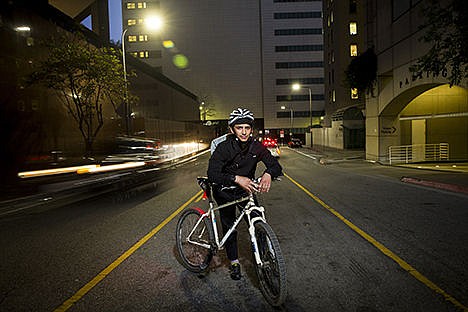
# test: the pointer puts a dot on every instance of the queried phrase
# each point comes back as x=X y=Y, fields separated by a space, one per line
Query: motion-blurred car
x=136 y=145
x=272 y=146
x=294 y=143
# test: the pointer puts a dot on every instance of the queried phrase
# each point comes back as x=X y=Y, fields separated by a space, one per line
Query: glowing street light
x=297 y=87
x=154 y=23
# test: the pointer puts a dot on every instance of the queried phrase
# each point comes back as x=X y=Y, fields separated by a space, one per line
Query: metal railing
x=418 y=153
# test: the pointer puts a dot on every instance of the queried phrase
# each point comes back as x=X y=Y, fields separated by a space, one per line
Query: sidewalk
x=450 y=176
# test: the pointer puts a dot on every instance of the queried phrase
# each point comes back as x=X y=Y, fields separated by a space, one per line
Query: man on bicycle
x=232 y=167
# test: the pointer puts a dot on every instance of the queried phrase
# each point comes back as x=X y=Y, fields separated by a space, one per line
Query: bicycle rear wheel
x=195 y=258
x=272 y=274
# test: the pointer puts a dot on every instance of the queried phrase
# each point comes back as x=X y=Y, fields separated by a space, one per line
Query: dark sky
x=115 y=18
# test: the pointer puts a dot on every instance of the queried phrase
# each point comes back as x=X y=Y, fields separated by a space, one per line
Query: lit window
x=353 y=28
x=143 y=38
x=143 y=54
x=132 y=38
x=354 y=93
x=141 y=21
x=135 y=54
x=331 y=17
x=131 y=22
x=333 y=96
x=130 y=5
x=353 y=49
x=142 y=5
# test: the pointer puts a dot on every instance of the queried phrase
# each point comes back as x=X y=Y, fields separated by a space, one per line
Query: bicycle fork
x=253 y=237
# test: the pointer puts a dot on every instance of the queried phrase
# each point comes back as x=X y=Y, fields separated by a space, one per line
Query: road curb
x=438 y=185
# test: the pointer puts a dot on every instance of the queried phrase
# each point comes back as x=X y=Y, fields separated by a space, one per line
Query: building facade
x=416 y=112
x=416 y=109
x=292 y=53
x=138 y=37
x=344 y=33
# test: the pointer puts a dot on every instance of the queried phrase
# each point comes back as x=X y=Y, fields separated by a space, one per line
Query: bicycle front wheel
x=272 y=272
x=194 y=243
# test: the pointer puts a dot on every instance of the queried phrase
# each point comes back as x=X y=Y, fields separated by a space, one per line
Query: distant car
x=294 y=143
x=272 y=145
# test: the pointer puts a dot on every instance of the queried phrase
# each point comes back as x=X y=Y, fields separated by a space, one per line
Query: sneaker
x=235 y=271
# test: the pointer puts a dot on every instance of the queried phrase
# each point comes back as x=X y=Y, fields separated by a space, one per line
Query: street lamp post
x=154 y=23
x=126 y=108
x=297 y=87
x=291 y=118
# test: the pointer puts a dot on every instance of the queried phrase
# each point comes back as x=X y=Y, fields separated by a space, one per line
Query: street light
x=154 y=23
x=297 y=87
x=291 y=117
x=126 y=108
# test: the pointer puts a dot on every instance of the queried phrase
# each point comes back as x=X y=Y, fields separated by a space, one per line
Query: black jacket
x=228 y=160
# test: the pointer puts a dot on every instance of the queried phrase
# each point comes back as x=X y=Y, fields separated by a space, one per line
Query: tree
x=362 y=71
x=84 y=78
x=207 y=108
x=446 y=30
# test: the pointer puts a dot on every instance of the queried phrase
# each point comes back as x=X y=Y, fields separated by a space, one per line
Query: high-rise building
x=344 y=33
x=292 y=53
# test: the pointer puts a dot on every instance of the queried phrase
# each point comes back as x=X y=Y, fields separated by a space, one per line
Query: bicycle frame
x=246 y=211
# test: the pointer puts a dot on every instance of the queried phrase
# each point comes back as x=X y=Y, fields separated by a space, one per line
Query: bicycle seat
x=204 y=183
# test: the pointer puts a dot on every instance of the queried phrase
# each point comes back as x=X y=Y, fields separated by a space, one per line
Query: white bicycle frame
x=247 y=210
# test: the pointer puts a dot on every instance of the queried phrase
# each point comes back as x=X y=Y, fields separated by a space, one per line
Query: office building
x=292 y=52
x=344 y=31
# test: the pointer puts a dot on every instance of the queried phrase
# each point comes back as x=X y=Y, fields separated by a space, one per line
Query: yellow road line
x=407 y=267
x=98 y=278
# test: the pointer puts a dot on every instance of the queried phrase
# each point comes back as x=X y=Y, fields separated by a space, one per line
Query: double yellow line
x=407 y=267
x=403 y=264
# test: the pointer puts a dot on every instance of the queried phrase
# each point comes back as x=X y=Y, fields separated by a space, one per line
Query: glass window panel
x=353 y=28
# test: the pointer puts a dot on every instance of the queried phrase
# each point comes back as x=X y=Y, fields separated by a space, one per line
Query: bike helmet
x=240 y=116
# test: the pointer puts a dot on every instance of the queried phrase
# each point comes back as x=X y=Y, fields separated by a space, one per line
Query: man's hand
x=247 y=184
x=265 y=183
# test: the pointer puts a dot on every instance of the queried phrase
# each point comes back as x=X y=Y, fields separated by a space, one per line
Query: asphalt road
x=354 y=237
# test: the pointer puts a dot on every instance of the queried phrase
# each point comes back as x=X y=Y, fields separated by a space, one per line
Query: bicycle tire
x=272 y=275
x=194 y=258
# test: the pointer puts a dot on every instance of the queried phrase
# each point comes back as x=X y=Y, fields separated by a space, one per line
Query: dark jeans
x=228 y=216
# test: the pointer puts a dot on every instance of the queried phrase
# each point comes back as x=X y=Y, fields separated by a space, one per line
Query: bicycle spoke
x=193 y=241
x=271 y=272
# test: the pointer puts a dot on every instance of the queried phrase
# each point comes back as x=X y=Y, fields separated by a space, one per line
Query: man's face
x=242 y=131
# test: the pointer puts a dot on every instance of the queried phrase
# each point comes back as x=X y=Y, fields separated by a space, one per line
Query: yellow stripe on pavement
x=98 y=278
x=407 y=267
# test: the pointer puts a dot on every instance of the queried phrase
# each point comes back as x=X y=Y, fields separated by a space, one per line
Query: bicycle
x=198 y=240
